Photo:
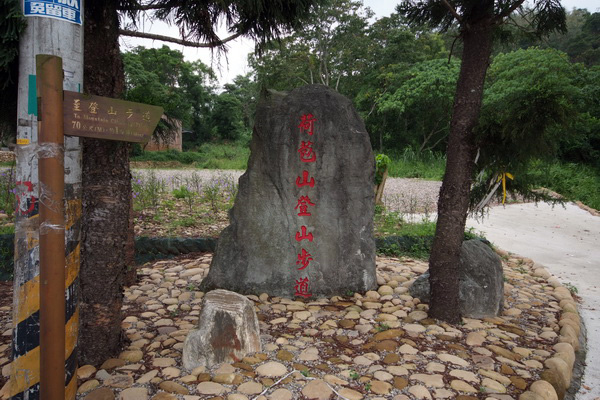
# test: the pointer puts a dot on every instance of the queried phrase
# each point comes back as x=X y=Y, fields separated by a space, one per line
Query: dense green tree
x=245 y=89
x=477 y=22
x=184 y=89
x=427 y=85
x=329 y=48
x=394 y=48
x=530 y=105
x=586 y=45
x=583 y=145
x=227 y=117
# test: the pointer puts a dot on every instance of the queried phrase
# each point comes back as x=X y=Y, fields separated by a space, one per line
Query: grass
x=209 y=156
x=410 y=164
x=7 y=191
x=7 y=230
x=573 y=181
x=399 y=237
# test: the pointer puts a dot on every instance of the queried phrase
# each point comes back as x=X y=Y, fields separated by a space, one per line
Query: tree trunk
x=453 y=202
x=106 y=197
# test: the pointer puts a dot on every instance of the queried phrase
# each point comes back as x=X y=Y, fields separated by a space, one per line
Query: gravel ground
x=400 y=194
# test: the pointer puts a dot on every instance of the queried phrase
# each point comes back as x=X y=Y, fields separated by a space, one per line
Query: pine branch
x=182 y=42
x=452 y=11
x=144 y=8
x=510 y=10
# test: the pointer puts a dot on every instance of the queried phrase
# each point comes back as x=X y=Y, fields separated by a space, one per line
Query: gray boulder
x=228 y=331
x=302 y=222
x=481 y=282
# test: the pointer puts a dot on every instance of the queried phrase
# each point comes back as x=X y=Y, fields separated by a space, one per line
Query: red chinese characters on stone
x=304 y=181
x=301 y=287
x=307 y=123
x=304 y=258
x=303 y=203
x=302 y=236
x=306 y=152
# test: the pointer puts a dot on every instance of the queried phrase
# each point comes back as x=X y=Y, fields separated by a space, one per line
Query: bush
x=573 y=181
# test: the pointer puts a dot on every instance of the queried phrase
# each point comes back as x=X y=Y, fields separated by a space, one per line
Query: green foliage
x=574 y=181
x=7 y=192
x=412 y=164
x=529 y=105
x=220 y=191
x=397 y=237
x=261 y=21
x=185 y=222
x=329 y=48
x=227 y=118
x=7 y=229
x=382 y=163
x=146 y=190
x=582 y=40
x=572 y=288
x=245 y=89
x=381 y=327
x=12 y=23
x=182 y=192
x=6 y=256
x=188 y=195
x=545 y=15
x=427 y=85
x=162 y=77
x=209 y=155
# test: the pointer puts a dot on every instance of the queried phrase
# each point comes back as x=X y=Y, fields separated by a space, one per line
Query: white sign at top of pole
x=66 y=10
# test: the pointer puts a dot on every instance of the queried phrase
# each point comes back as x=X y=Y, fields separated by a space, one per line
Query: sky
x=235 y=61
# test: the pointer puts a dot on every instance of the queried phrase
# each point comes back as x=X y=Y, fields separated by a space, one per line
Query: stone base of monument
x=481 y=281
x=227 y=331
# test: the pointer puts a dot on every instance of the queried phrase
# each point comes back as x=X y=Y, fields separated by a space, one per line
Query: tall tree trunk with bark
x=106 y=196
x=453 y=203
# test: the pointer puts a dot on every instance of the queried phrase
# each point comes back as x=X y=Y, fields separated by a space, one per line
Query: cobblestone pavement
x=379 y=345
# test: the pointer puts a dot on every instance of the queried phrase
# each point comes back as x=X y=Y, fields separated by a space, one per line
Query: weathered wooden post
x=52 y=226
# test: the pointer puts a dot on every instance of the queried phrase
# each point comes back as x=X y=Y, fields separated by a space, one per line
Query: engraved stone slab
x=302 y=222
x=228 y=331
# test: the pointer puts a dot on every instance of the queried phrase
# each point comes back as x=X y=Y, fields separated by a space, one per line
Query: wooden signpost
x=75 y=114
x=110 y=119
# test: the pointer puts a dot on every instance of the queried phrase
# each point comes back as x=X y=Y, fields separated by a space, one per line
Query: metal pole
x=52 y=227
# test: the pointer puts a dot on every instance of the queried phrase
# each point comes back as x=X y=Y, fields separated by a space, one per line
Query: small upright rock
x=228 y=330
x=481 y=283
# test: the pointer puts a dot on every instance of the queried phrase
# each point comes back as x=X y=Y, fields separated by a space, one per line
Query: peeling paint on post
x=63 y=39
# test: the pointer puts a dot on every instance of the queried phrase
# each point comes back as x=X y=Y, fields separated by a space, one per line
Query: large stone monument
x=302 y=222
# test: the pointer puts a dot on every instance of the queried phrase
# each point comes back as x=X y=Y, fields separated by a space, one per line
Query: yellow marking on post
x=28 y=299
x=71 y=329
x=71 y=389
x=33 y=240
x=73 y=213
x=22 y=141
x=25 y=371
x=73 y=263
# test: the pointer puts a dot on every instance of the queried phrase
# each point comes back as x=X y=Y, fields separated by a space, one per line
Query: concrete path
x=566 y=240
